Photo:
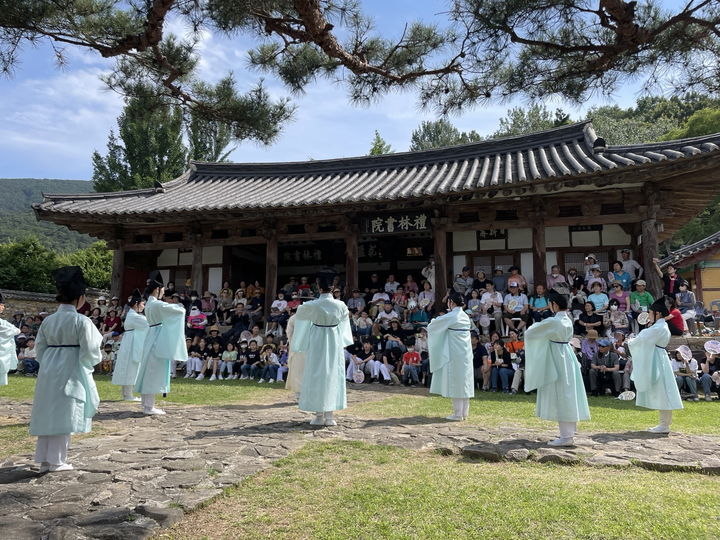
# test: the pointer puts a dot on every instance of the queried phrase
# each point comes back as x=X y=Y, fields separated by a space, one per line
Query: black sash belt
x=560 y=342
x=131 y=330
x=459 y=329
x=325 y=325
x=156 y=324
x=659 y=347
x=62 y=346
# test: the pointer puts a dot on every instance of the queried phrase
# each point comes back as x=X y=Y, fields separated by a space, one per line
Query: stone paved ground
x=145 y=472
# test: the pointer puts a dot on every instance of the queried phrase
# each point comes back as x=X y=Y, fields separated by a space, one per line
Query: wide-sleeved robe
x=552 y=368
x=130 y=354
x=451 y=356
x=652 y=372
x=164 y=343
x=322 y=331
x=296 y=360
x=8 y=353
x=66 y=399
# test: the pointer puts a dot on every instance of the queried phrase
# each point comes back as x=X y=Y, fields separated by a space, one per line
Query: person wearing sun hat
x=652 y=372
x=164 y=343
x=552 y=367
x=8 y=351
x=68 y=348
x=710 y=377
x=685 y=368
x=131 y=348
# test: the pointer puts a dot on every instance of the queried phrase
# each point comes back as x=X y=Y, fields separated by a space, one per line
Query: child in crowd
x=252 y=364
x=270 y=364
x=108 y=359
x=229 y=357
x=411 y=364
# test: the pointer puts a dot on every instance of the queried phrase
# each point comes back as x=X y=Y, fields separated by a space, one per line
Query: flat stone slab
x=148 y=471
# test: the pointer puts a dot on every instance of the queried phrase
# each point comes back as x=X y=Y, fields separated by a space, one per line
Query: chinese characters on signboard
x=493 y=234
x=302 y=255
x=395 y=223
x=585 y=228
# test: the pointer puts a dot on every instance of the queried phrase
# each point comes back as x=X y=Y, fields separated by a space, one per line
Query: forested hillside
x=17 y=220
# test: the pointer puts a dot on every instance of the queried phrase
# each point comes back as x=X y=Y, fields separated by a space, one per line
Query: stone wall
x=32 y=303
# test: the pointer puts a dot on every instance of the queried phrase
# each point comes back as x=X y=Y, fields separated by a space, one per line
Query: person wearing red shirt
x=411 y=363
x=676 y=323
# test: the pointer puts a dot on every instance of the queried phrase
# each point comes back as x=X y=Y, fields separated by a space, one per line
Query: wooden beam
x=441 y=256
x=351 y=259
x=196 y=274
x=650 y=245
x=698 y=283
x=271 y=270
x=538 y=241
x=118 y=265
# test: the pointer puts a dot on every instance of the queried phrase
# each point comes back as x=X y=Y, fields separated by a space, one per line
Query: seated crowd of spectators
x=228 y=335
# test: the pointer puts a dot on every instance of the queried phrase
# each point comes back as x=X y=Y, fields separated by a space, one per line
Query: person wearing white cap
x=66 y=399
x=8 y=352
x=710 y=377
x=685 y=368
x=652 y=372
x=552 y=367
x=590 y=262
x=131 y=347
x=164 y=343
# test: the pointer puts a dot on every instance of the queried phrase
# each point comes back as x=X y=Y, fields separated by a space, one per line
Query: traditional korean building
x=531 y=201
x=699 y=263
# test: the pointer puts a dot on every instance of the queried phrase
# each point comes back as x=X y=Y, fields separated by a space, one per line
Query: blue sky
x=54 y=118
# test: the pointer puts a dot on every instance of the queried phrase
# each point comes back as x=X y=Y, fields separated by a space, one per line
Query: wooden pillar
x=351 y=260
x=196 y=274
x=271 y=270
x=538 y=240
x=118 y=266
x=698 y=282
x=650 y=245
x=441 y=262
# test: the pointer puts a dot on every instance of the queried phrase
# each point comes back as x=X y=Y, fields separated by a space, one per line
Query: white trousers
x=282 y=370
x=378 y=367
x=52 y=449
x=461 y=407
x=567 y=429
x=193 y=364
x=148 y=401
x=665 y=418
x=127 y=391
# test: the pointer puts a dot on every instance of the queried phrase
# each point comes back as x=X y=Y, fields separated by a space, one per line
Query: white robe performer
x=296 y=360
x=652 y=372
x=8 y=352
x=552 y=368
x=164 y=343
x=451 y=358
x=322 y=331
x=130 y=354
x=68 y=346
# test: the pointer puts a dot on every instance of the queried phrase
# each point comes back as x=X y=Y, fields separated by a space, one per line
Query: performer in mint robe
x=68 y=348
x=652 y=372
x=552 y=368
x=322 y=331
x=164 y=343
x=451 y=357
x=131 y=347
x=296 y=360
x=8 y=352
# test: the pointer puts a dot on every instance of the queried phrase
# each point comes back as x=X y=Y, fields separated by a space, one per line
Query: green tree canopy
x=95 y=261
x=484 y=51
x=150 y=147
x=520 y=121
x=439 y=133
x=379 y=145
x=26 y=265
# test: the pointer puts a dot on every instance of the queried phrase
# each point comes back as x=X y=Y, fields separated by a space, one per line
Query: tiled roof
x=559 y=153
x=686 y=252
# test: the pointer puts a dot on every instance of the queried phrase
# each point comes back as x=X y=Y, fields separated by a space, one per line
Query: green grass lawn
x=356 y=490
x=494 y=409
x=185 y=391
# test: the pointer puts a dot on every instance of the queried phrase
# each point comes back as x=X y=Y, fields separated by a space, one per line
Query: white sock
x=466 y=407
x=457 y=407
x=665 y=419
x=567 y=429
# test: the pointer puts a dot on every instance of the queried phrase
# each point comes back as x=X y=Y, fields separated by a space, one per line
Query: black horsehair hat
x=2 y=300
x=70 y=281
x=661 y=305
x=155 y=280
x=136 y=297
